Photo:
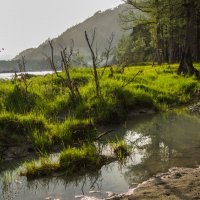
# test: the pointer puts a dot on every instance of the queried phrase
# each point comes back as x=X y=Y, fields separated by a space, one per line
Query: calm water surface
x=159 y=142
x=9 y=76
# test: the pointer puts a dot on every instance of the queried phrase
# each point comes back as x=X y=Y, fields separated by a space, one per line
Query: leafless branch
x=93 y=36
x=51 y=60
x=96 y=78
x=108 y=52
x=130 y=81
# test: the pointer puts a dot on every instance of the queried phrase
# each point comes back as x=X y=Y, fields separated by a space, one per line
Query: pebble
x=79 y=196
x=51 y=198
x=19 y=182
x=133 y=185
x=110 y=194
x=90 y=198
x=92 y=192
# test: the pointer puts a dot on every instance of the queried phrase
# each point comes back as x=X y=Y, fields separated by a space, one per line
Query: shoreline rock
x=176 y=184
x=195 y=109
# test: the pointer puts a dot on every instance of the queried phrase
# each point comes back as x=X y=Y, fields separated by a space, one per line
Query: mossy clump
x=42 y=167
x=80 y=159
x=71 y=161
x=121 y=149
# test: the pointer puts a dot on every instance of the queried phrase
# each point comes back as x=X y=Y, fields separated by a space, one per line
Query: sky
x=28 y=23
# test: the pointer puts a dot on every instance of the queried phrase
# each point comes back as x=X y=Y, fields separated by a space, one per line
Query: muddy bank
x=177 y=183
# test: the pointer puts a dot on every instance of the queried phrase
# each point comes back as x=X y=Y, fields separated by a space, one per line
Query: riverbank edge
x=177 y=183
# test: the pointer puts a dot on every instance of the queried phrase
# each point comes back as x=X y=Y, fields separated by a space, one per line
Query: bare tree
x=22 y=64
x=94 y=60
x=23 y=75
x=108 y=51
x=51 y=60
x=66 y=58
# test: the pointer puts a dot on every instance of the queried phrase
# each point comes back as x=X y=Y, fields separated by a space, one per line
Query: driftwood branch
x=103 y=134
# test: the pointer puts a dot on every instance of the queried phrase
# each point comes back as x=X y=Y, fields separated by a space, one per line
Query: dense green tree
x=135 y=47
x=146 y=13
x=172 y=31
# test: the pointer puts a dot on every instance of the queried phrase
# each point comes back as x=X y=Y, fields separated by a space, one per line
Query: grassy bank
x=70 y=161
x=42 y=112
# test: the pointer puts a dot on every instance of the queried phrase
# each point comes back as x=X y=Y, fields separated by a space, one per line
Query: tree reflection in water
x=173 y=141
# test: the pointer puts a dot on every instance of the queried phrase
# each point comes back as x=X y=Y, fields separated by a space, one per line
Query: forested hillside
x=106 y=22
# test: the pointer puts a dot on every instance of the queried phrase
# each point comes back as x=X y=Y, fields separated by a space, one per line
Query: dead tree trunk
x=22 y=65
x=23 y=75
x=51 y=60
x=94 y=59
x=186 y=64
x=107 y=56
x=66 y=59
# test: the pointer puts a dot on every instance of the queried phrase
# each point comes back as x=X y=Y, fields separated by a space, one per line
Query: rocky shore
x=176 y=184
x=194 y=108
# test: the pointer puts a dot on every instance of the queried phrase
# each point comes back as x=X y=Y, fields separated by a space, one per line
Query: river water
x=158 y=143
x=9 y=76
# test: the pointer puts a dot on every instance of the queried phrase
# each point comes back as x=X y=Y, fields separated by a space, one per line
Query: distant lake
x=9 y=76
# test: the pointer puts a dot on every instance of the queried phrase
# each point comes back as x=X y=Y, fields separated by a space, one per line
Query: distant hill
x=105 y=23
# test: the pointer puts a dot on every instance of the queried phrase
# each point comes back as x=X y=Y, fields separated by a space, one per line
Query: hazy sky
x=27 y=23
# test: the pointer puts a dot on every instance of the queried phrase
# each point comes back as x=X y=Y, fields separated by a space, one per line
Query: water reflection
x=168 y=140
x=159 y=142
x=95 y=183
